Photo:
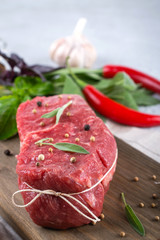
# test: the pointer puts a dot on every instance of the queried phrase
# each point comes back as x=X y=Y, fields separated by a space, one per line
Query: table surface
x=123 y=32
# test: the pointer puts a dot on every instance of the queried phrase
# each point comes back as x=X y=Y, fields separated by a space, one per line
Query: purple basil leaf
x=10 y=61
x=19 y=61
x=42 y=68
x=7 y=77
x=31 y=72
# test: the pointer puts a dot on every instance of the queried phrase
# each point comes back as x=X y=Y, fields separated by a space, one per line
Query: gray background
x=125 y=32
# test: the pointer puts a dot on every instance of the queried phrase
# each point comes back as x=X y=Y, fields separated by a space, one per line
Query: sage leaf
x=51 y=114
x=128 y=100
x=144 y=97
x=70 y=87
x=70 y=147
x=104 y=84
x=8 y=109
x=124 y=79
x=61 y=110
x=132 y=218
x=57 y=112
x=42 y=140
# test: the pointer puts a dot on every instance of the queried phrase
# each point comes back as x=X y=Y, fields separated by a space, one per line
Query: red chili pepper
x=116 y=111
x=145 y=80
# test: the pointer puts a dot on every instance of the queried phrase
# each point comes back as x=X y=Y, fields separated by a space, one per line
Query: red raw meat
x=56 y=172
x=28 y=121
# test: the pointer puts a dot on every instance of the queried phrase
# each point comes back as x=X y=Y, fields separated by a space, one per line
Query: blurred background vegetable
x=23 y=82
x=81 y=51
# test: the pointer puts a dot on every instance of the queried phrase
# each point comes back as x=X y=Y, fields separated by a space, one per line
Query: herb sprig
x=68 y=147
x=132 y=218
x=51 y=114
x=57 y=112
x=61 y=110
x=38 y=80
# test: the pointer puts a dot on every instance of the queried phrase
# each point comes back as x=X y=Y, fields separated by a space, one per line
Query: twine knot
x=67 y=197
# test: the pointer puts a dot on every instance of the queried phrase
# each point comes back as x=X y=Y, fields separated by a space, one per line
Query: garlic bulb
x=80 y=51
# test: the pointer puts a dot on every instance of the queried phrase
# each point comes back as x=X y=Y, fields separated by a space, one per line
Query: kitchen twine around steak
x=64 y=195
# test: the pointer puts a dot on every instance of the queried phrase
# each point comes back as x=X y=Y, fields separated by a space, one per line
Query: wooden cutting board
x=131 y=163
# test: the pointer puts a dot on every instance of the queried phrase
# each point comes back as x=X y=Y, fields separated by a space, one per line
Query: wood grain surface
x=7 y=232
x=130 y=163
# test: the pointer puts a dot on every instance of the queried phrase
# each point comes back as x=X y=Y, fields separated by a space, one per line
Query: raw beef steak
x=56 y=171
x=29 y=113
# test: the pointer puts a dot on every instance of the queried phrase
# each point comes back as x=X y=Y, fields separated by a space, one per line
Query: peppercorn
x=50 y=150
x=122 y=234
x=39 y=104
x=154 y=177
x=141 y=205
x=51 y=139
x=153 y=205
x=156 y=218
x=136 y=179
x=8 y=152
x=34 y=110
x=66 y=135
x=93 y=223
x=73 y=160
x=154 y=195
x=102 y=216
x=37 y=164
x=92 y=139
x=42 y=124
x=77 y=139
x=40 y=157
x=68 y=114
x=86 y=127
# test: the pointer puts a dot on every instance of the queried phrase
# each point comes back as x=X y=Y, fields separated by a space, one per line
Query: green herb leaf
x=32 y=86
x=51 y=114
x=144 y=97
x=42 y=140
x=8 y=109
x=57 y=112
x=132 y=218
x=70 y=87
x=58 y=84
x=124 y=79
x=65 y=71
x=128 y=100
x=104 y=84
x=81 y=83
x=90 y=78
x=4 y=91
x=69 y=147
x=61 y=110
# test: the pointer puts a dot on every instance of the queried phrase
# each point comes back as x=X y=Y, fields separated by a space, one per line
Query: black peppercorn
x=39 y=104
x=7 y=152
x=86 y=127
